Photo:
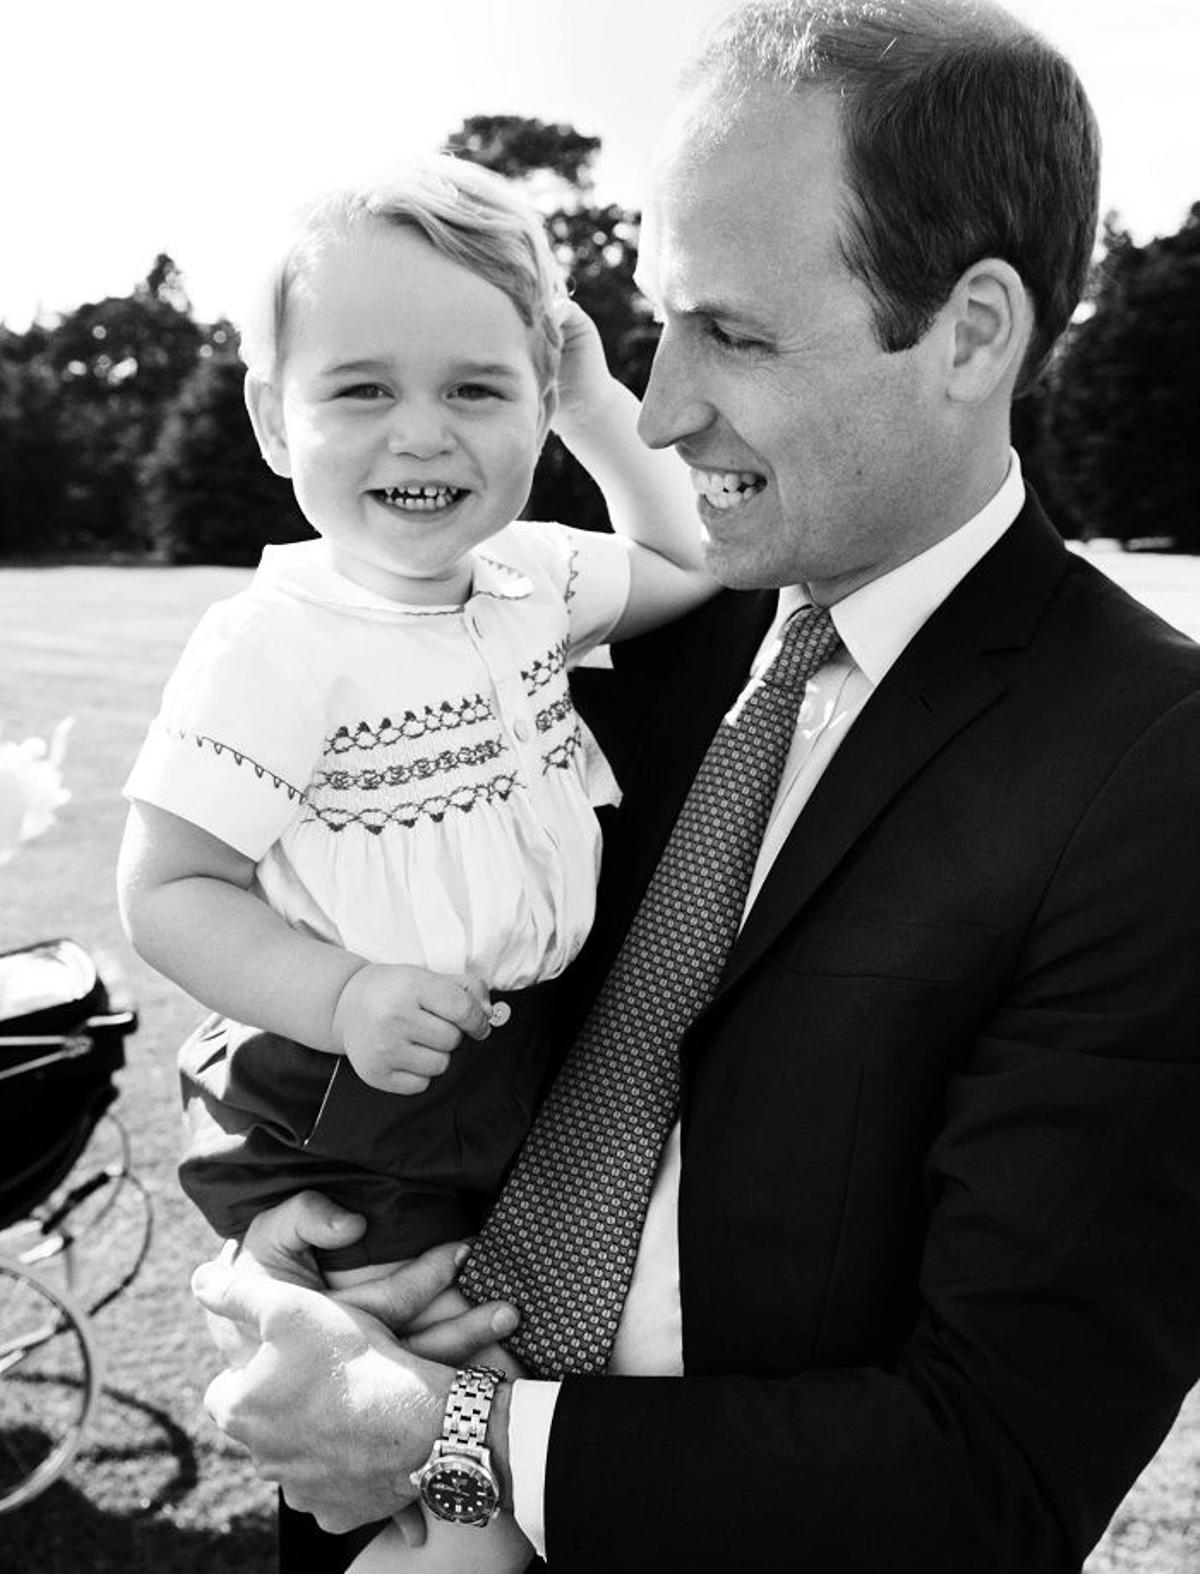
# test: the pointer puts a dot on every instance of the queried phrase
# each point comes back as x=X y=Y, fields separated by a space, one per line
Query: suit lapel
x=941 y=682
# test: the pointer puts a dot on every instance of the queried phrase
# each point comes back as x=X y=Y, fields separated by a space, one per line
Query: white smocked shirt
x=413 y=783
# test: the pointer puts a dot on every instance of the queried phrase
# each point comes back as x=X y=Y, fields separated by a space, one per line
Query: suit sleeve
x=1058 y=1328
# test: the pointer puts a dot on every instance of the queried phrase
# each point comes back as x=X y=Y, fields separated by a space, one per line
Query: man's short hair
x=468 y=214
x=965 y=135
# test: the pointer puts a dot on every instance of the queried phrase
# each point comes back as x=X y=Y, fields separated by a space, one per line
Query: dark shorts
x=267 y=1117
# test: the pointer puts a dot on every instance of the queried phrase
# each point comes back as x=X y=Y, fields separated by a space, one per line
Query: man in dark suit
x=919 y=1268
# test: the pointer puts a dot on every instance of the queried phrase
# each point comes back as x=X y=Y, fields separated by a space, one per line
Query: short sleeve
x=239 y=731
x=591 y=569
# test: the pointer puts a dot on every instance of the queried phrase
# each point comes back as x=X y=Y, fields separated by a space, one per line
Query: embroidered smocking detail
x=241 y=759
x=408 y=814
x=518 y=579
x=545 y=668
x=423 y=768
x=385 y=734
x=572 y=576
x=562 y=755
x=369 y=768
x=553 y=714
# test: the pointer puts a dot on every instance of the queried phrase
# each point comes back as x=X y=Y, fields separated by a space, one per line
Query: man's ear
x=549 y=408
x=992 y=316
x=266 y=417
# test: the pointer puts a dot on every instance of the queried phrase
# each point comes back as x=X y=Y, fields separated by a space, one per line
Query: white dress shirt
x=875 y=623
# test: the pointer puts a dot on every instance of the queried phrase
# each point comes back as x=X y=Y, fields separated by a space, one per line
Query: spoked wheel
x=93 y=1231
x=49 y=1380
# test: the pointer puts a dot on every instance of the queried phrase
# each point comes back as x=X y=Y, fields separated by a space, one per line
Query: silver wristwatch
x=457 y=1481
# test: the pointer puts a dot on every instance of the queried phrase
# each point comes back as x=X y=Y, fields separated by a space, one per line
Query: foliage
x=35 y=458
x=514 y=146
x=88 y=395
x=1120 y=421
x=209 y=496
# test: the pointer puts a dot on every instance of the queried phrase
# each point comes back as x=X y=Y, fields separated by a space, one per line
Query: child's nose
x=419 y=430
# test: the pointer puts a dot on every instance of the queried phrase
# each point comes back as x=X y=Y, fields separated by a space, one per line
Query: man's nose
x=672 y=406
x=420 y=429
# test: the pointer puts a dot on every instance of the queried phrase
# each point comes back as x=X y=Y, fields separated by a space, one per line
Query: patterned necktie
x=562 y=1238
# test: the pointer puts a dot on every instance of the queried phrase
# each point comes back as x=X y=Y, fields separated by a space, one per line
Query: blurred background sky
x=129 y=128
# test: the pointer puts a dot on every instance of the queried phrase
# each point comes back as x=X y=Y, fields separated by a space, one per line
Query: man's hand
x=449 y=1330
x=330 y=1406
x=399 y=1025
x=316 y=1383
x=417 y=1302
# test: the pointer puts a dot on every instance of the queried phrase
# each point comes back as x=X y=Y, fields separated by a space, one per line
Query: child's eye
x=362 y=391
x=473 y=393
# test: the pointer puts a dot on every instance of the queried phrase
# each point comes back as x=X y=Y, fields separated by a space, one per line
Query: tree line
x=123 y=435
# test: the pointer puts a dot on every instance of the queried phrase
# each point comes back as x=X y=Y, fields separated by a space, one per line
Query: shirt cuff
x=530 y=1415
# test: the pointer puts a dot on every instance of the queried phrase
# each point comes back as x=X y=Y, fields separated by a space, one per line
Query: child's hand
x=399 y=1025
x=584 y=380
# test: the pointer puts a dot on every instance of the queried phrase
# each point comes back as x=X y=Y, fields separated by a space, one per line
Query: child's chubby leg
x=498 y=1548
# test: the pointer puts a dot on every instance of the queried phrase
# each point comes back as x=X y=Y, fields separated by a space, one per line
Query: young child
x=362 y=826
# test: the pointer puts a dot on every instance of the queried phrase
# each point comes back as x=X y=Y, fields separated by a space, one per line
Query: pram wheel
x=66 y=1188
x=49 y=1380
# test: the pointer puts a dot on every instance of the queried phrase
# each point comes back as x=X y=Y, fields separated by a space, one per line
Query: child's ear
x=266 y=417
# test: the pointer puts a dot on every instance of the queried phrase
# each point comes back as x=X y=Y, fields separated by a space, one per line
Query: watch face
x=460 y=1490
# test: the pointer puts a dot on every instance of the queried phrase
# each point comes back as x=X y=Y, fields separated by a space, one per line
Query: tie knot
x=808 y=640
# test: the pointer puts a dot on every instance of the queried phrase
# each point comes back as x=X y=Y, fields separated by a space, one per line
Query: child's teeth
x=424 y=496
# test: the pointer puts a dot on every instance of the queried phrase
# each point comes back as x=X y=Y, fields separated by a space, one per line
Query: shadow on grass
x=64 y=1532
x=78 y=1527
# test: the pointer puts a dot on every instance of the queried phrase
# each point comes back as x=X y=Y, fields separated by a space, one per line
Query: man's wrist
x=498 y=1442
x=465 y=1474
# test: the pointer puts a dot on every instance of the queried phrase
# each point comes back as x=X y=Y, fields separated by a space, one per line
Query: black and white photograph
x=599 y=783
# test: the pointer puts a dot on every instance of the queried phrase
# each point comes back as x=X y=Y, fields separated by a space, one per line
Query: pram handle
x=68 y=1046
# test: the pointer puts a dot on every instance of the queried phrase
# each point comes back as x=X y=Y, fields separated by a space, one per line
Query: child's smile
x=422 y=499
x=408 y=413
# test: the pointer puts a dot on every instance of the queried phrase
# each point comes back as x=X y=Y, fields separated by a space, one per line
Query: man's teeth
x=425 y=498
x=727 y=488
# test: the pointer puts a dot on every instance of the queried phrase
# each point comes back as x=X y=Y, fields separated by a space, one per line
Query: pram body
x=62 y=1042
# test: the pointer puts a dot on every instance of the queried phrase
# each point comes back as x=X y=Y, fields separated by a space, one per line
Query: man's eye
x=730 y=341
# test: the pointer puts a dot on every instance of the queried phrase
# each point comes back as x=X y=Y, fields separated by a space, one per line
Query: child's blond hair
x=467 y=213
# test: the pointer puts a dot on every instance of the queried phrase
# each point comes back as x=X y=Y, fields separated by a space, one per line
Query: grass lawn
x=154 y=1489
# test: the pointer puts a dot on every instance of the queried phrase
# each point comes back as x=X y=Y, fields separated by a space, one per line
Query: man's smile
x=726 y=489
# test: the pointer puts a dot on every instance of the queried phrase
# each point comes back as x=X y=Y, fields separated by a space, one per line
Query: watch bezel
x=487 y=1505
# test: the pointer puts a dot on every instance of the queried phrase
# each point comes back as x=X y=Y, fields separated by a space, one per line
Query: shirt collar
x=303 y=569
x=493 y=575
x=878 y=620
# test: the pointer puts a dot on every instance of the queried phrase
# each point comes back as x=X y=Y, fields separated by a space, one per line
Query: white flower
x=31 y=789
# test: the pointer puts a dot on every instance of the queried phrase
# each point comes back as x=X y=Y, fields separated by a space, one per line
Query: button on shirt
x=875 y=623
x=412 y=782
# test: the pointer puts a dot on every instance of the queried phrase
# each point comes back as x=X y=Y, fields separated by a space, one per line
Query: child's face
x=407 y=412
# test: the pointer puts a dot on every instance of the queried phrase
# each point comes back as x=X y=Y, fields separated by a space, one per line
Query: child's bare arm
x=649 y=497
x=188 y=909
